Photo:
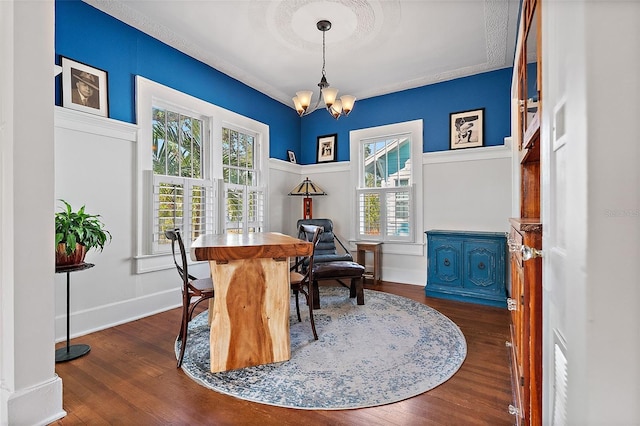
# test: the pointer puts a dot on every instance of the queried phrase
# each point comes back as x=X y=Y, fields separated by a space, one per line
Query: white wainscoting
x=94 y=166
x=462 y=190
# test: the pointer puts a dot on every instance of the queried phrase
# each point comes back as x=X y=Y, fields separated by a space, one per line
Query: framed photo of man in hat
x=84 y=88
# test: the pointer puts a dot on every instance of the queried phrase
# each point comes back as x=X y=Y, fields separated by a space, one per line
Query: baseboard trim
x=107 y=316
x=404 y=276
x=38 y=405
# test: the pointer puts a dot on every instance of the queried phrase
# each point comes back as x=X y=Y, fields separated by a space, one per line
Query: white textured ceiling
x=374 y=46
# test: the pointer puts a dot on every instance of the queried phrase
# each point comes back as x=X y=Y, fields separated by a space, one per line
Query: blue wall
x=432 y=104
x=125 y=52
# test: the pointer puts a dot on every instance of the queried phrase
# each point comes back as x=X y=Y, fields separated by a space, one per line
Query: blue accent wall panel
x=87 y=35
x=432 y=104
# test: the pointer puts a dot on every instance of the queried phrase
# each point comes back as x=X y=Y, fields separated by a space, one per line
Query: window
x=244 y=197
x=182 y=197
x=386 y=185
x=200 y=168
x=384 y=194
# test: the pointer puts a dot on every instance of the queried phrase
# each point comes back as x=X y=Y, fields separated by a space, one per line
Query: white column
x=31 y=393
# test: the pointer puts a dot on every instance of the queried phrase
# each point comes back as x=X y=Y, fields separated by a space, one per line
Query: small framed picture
x=292 y=156
x=84 y=88
x=466 y=129
x=327 y=146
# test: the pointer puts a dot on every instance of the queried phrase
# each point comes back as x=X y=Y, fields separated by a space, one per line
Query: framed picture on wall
x=84 y=88
x=327 y=146
x=292 y=156
x=466 y=129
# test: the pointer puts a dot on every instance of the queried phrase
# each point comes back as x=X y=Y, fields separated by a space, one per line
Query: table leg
x=74 y=351
x=250 y=313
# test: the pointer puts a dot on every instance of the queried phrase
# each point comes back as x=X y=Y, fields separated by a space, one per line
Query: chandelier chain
x=323 y=53
x=335 y=107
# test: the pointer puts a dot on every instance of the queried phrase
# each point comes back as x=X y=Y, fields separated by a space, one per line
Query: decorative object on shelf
x=307 y=189
x=76 y=233
x=466 y=129
x=336 y=107
x=84 y=88
x=327 y=146
x=292 y=156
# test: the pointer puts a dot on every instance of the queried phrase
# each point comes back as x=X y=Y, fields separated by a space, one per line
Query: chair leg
x=316 y=295
x=357 y=290
x=313 y=323
x=183 y=334
x=297 y=305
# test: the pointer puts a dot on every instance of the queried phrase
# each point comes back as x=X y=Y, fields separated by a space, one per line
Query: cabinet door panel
x=446 y=268
x=484 y=261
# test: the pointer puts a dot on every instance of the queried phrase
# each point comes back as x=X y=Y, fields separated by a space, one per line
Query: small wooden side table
x=376 y=248
x=70 y=352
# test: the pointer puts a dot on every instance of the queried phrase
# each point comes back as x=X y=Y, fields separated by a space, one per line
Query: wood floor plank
x=129 y=377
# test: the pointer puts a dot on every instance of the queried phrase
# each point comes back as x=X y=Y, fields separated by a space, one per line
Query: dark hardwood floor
x=130 y=377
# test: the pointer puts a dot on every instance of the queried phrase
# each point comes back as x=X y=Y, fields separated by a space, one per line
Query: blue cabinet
x=467 y=266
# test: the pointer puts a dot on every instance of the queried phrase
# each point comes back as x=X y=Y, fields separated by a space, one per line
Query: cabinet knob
x=481 y=266
x=446 y=262
x=529 y=253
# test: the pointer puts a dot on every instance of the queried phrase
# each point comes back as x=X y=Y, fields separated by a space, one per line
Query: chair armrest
x=340 y=242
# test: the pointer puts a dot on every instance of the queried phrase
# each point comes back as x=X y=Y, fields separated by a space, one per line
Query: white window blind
x=185 y=203
x=245 y=200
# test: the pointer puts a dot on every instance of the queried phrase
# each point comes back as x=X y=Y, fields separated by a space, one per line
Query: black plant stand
x=75 y=351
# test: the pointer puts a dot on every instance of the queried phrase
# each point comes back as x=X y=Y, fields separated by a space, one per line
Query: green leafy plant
x=80 y=228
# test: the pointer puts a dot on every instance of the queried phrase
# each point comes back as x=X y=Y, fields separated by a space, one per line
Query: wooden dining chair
x=301 y=275
x=192 y=287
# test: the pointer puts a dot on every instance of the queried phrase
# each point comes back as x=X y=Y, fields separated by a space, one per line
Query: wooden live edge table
x=249 y=314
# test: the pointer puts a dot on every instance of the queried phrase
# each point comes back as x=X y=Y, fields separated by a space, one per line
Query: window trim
x=415 y=130
x=214 y=117
x=259 y=188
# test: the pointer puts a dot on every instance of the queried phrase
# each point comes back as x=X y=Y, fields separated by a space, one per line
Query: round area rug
x=387 y=350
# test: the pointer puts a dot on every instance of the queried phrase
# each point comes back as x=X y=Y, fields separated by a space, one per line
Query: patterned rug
x=390 y=349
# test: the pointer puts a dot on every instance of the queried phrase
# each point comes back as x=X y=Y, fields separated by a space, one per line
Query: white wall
x=94 y=162
x=31 y=392
x=94 y=159
x=462 y=190
x=468 y=190
x=284 y=210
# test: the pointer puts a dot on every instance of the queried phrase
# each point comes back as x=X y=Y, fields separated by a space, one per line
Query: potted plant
x=76 y=233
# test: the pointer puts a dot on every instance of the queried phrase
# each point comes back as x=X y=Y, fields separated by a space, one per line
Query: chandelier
x=336 y=107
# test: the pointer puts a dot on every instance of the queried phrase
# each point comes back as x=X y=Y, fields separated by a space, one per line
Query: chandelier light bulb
x=347 y=103
x=304 y=97
x=329 y=96
x=336 y=109
x=299 y=108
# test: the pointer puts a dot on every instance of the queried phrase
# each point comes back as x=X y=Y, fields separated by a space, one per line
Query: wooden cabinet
x=467 y=266
x=525 y=296
x=525 y=304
